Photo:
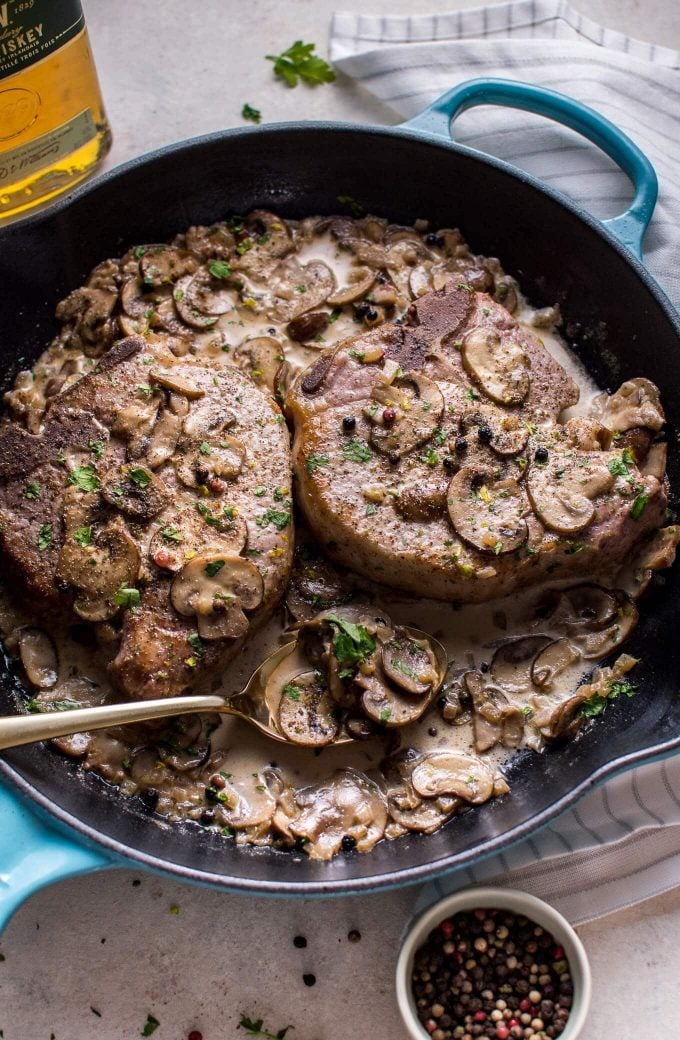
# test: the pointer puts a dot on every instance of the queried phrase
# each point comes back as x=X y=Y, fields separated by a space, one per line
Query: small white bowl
x=501 y=899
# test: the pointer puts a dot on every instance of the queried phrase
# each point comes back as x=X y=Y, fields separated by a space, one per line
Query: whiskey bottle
x=53 y=128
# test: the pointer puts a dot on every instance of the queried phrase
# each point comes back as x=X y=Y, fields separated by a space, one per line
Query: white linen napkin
x=407 y=62
x=621 y=844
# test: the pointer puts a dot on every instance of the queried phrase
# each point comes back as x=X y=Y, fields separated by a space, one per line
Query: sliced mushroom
x=166 y=319
x=188 y=310
x=297 y=289
x=414 y=405
x=180 y=379
x=347 y=805
x=91 y=312
x=410 y=664
x=498 y=365
x=359 y=282
x=453 y=773
x=422 y=500
x=217 y=589
x=487 y=513
x=39 y=658
x=512 y=663
x=408 y=810
x=162 y=265
x=134 y=423
x=263 y=357
x=635 y=403
x=185 y=744
x=134 y=299
x=210 y=243
x=563 y=491
x=98 y=570
x=308 y=326
x=135 y=491
x=208 y=294
x=220 y=456
x=246 y=803
x=163 y=439
x=306 y=711
x=389 y=706
x=586 y=434
x=655 y=462
x=75 y=746
x=554 y=659
x=315 y=585
x=494 y=719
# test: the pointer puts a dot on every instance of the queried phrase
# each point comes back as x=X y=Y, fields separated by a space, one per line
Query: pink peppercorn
x=389 y=415
x=195 y=1035
x=502 y=1032
x=480 y=1016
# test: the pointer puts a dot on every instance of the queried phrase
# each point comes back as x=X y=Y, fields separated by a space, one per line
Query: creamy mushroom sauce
x=220 y=772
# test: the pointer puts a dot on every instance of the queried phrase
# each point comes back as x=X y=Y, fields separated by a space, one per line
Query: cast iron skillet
x=617 y=319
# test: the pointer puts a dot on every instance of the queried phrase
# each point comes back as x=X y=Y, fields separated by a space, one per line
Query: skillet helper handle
x=628 y=227
x=34 y=854
x=16 y=730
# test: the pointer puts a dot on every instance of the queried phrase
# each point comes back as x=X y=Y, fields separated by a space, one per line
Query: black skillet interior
x=616 y=320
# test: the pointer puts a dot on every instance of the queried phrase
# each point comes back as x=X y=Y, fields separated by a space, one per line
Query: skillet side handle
x=33 y=854
x=628 y=227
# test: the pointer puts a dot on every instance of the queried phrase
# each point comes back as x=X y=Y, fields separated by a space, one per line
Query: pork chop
x=153 y=503
x=429 y=457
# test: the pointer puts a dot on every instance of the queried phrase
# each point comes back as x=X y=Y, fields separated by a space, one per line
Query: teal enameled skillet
x=55 y=822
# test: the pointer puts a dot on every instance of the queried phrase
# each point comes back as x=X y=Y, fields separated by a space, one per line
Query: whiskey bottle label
x=30 y=30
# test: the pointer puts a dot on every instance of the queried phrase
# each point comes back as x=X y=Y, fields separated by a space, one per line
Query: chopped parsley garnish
x=385 y=714
x=150 y=1026
x=44 y=537
x=145 y=389
x=430 y=457
x=371 y=510
x=36 y=706
x=171 y=534
x=273 y=516
x=205 y=448
x=352 y=644
x=83 y=536
x=439 y=437
x=219 y=269
x=85 y=478
x=126 y=597
x=618 y=468
x=253 y=114
x=299 y=62
x=292 y=691
x=356 y=451
x=355 y=208
x=256 y=1028
x=97 y=449
x=259 y=492
x=138 y=252
x=596 y=704
x=334 y=315
x=639 y=505
x=140 y=476
x=315 y=462
x=472 y=395
x=32 y=491
x=196 y=643
x=228 y=513
x=213 y=568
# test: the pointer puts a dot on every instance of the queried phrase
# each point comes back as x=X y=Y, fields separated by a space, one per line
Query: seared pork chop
x=154 y=503
x=429 y=457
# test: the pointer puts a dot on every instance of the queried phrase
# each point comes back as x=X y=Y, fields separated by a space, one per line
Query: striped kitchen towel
x=621 y=844
x=407 y=62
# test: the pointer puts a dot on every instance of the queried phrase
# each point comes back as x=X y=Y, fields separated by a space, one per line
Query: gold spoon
x=250 y=704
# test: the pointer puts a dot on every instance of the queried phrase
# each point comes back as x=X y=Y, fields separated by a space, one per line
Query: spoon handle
x=25 y=729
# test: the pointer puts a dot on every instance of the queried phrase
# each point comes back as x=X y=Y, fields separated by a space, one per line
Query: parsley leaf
x=356 y=451
x=219 y=269
x=83 y=536
x=32 y=491
x=196 y=643
x=253 y=114
x=352 y=644
x=255 y=1028
x=299 y=61
x=97 y=448
x=85 y=478
x=126 y=597
x=315 y=462
x=44 y=537
x=638 y=506
x=596 y=704
x=150 y=1026
x=213 y=568
x=273 y=516
x=171 y=534
x=140 y=476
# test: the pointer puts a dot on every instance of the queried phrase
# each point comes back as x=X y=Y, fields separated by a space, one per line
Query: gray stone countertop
x=90 y=958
